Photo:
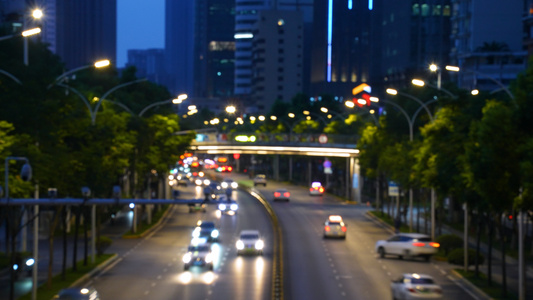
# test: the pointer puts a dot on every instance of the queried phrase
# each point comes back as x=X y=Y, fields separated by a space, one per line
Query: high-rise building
x=214 y=48
x=277 y=57
x=150 y=64
x=488 y=42
x=414 y=35
x=246 y=15
x=80 y=32
x=179 y=46
x=344 y=49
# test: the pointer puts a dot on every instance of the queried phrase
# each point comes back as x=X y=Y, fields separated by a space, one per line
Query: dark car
x=77 y=294
x=206 y=230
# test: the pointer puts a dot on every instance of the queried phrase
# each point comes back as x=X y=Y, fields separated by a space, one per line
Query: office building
x=344 y=49
x=488 y=42
x=277 y=57
x=149 y=63
x=80 y=32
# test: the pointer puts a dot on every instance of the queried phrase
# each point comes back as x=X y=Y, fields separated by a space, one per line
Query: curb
x=480 y=293
x=152 y=228
x=95 y=271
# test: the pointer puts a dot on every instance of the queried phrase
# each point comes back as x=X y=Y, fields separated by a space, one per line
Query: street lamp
x=98 y=65
x=36 y=14
x=231 y=109
x=499 y=83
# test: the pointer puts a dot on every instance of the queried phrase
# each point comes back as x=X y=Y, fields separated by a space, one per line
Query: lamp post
x=36 y=14
x=177 y=100
x=25 y=174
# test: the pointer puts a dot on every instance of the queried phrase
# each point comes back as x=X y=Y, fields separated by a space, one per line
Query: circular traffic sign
x=322 y=139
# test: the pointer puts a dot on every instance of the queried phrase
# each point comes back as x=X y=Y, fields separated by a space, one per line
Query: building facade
x=80 y=32
x=150 y=64
x=344 y=49
x=277 y=57
x=488 y=42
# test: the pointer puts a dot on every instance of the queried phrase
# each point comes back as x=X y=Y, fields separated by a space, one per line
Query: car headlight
x=224 y=184
x=234 y=185
x=239 y=245
x=187 y=257
x=198 y=182
x=222 y=207
x=259 y=245
x=196 y=233
x=234 y=207
x=207 y=182
x=214 y=233
x=209 y=258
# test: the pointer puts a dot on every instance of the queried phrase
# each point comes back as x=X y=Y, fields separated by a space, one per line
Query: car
x=200 y=181
x=260 y=179
x=229 y=207
x=182 y=179
x=408 y=245
x=415 y=286
x=229 y=183
x=198 y=205
x=282 y=195
x=198 y=254
x=250 y=242
x=206 y=230
x=316 y=189
x=215 y=188
x=88 y=293
x=335 y=227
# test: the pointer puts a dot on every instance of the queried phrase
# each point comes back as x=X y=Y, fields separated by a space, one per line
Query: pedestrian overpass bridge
x=323 y=145
x=288 y=144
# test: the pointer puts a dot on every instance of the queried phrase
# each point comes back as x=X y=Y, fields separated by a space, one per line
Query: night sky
x=140 y=25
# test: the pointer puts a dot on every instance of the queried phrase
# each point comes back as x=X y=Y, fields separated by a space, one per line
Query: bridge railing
x=276 y=138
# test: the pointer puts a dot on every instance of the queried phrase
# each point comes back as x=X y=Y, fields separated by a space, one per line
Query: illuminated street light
x=418 y=82
x=324 y=109
x=474 y=92
x=261 y=118
x=273 y=118
x=306 y=112
x=231 y=109
x=291 y=115
x=179 y=99
x=349 y=104
x=99 y=64
x=102 y=63
x=31 y=32
x=37 y=13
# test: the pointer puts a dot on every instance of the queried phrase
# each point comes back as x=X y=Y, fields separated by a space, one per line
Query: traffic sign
x=394 y=190
x=322 y=139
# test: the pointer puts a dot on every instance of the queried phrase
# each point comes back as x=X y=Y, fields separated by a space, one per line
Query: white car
x=335 y=227
x=316 y=189
x=228 y=207
x=198 y=254
x=260 y=179
x=250 y=242
x=229 y=183
x=282 y=195
x=415 y=286
x=408 y=245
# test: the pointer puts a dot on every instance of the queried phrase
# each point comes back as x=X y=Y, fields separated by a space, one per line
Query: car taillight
x=311 y=189
x=435 y=245
x=327 y=228
x=276 y=194
x=321 y=189
x=419 y=244
x=411 y=290
x=343 y=228
x=287 y=194
x=229 y=169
